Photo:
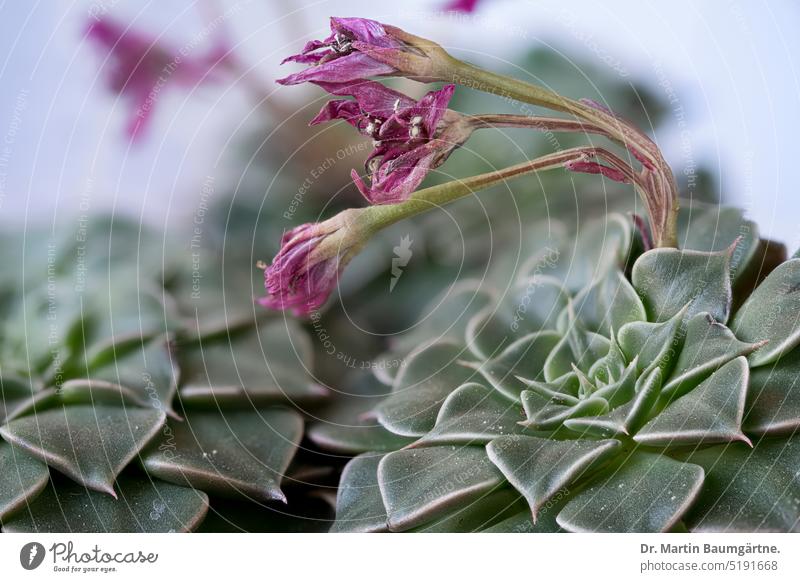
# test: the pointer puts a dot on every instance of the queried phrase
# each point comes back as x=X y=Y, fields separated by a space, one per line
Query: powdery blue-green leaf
x=359 y=505
x=540 y=468
x=524 y=358
x=522 y=522
x=668 y=279
x=625 y=419
x=563 y=391
x=748 y=490
x=146 y=374
x=529 y=306
x=344 y=426
x=89 y=444
x=421 y=485
x=578 y=348
x=474 y=414
x=420 y=388
x=653 y=344
x=447 y=316
x=711 y=413
x=15 y=393
x=491 y=509
x=609 y=303
x=773 y=398
x=708 y=345
x=772 y=312
x=240 y=453
x=22 y=478
x=144 y=505
x=648 y=493
x=712 y=228
x=599 y=246
x=547 y=415
x=268 y=365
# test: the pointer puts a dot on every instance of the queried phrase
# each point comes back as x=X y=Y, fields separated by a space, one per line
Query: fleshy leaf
x=525 y=358
x=420 y=485
x=544 y=415
x=474 y=414
x=668 y=279
x=146 y=374
x=474 y=517
x=708 y=345
x=540 y=468
x=345 y=427
x=773 y=398
x=420 y=388
x=89 y=444
x=711 y=413
x=653 y=344
x=270 y=365
x=578 y=348
x=22 y=479
x=609 y=303
x=143 y=506
x=529 y=306
x=772 y=312
x=748 y=490
x=240 y=453
x=359 y=505
x=648 y=493
x=713 y=228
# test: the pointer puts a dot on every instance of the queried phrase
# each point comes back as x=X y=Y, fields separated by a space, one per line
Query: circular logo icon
x=31 y=555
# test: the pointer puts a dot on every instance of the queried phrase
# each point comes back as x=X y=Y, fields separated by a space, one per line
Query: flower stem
x=661 y=202
x=376 y=218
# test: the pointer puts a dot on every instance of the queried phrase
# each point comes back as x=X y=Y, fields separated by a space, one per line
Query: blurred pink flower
x=411 y=137
x=337 y=58
x=462 y=5
x=138 y=67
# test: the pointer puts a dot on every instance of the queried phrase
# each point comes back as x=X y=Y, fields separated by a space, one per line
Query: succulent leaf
x=648 y=493
x=669 y=279
x=540 y=468
x=240 y=453
x=23 y=479
x=144 y=506
x=89 y=444
x=772 y=313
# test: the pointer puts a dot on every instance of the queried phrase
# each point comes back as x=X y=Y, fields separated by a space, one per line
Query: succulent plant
x=606 y=389
x=128 y=406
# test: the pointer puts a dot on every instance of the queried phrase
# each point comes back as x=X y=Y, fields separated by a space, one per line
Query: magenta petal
x=374 y=98
x=339 y=109
x=363 y=29
x=462 y=5
x=344 y=69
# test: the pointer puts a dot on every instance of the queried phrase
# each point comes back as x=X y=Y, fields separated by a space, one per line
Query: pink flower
x=462 y=5
x=357 y=48
x=411 y=137
x=312 y=256
x=139 y=67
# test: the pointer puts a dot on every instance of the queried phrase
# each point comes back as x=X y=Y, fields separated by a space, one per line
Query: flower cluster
x=411 y=137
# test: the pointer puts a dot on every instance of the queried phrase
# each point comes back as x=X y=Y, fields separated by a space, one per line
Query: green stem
x=379 y=217
x=452 y=70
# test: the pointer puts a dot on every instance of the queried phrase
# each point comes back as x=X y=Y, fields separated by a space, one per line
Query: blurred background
x=166 y=116
x=726 y=72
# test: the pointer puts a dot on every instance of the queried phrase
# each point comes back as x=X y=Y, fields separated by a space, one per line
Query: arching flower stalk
x=312 y=256
x=391 y=51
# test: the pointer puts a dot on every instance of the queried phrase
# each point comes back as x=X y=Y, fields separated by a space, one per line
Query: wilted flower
x=306 y=269
x=139 y=67
x=359 y=48
x=411 y=137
